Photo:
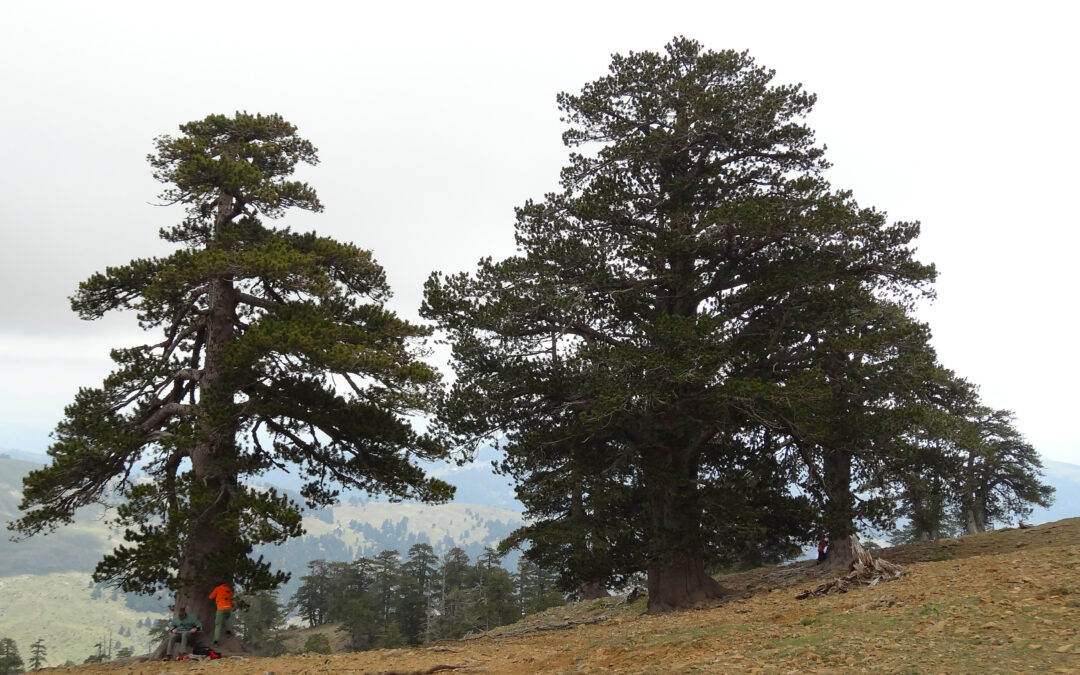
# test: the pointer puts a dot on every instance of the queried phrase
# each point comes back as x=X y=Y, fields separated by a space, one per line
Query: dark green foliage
x=10 y=661
x=864 y=383
x=967 y=468
x=256 y=620
x=158 y=630
x=317 y=644
x=329 y=588
x=276 y=350
x=495 y=590
x=666 y=311
x=38 y=652
x=536 y=588
x=583 y=511
x=386 y=602
x=457 y=600
x=416 y=592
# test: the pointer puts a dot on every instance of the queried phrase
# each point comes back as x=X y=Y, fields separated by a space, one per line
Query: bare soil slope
x=1005 y=601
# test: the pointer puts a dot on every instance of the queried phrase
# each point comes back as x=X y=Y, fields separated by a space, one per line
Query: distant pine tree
x=10 y=661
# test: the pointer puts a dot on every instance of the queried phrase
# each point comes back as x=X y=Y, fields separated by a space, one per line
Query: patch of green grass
x=930 y=609
x=597 y=605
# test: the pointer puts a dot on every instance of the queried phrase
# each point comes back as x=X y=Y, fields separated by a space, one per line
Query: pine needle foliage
x=275 y=351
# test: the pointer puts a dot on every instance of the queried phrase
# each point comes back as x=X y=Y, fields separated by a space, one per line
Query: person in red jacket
x=822 y=549
x=223 y=595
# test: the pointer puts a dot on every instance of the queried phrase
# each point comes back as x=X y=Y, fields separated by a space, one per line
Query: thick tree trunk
x=975 y=518
x=846 y=551
x=839 y=506
x=209 y=550
x=681 y=583
x=676 y=563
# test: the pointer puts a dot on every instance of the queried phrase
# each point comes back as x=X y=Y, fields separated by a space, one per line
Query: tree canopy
x=667 y=307
x=276 y=351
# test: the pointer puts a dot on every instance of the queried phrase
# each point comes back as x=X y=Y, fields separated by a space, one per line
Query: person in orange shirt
x=223 y=595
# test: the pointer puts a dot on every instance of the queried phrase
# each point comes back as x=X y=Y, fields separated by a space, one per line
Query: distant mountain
x=74 y=548
x=49 y=576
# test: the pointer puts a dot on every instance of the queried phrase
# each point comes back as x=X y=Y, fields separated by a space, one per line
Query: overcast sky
x=434 y=120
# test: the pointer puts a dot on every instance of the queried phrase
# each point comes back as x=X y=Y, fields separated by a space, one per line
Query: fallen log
x=563 y=625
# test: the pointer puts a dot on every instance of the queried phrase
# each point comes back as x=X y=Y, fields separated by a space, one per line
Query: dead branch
x=864 y=570
x=564 y=625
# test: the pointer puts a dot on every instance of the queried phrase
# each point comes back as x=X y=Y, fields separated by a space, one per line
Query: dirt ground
x=1002 y=602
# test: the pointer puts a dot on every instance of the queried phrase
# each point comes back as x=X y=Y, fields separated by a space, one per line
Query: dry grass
x=1005 y=601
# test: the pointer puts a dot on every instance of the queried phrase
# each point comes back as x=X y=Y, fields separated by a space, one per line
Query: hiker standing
x=223 y=595
x=822 y=548
x=182 y=629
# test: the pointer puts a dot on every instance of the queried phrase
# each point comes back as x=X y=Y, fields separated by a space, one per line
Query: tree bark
x=839 y=506
x=591 y=590
x=212 y=531
x=676 y=563
x=975 y=518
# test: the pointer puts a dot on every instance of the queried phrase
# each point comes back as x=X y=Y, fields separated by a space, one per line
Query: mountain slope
x=1003 y=601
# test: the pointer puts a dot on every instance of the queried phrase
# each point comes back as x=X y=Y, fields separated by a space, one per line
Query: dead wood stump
x=863 y=570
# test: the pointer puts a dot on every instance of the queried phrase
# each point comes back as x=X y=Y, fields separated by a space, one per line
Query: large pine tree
x=678 y=277
x=275 y=351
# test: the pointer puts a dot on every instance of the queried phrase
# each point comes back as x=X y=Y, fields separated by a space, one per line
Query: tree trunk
x=976 y=518
x=208 y=554
x=839 y=506
x=863 y=570
x=846 y=551
x=676 y=562
x=591 y=590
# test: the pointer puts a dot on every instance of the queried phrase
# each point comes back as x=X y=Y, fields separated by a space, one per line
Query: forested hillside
x=48 y=578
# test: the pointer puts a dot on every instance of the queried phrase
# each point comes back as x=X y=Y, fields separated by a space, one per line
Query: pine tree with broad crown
x=276 y=351
x=661 y=310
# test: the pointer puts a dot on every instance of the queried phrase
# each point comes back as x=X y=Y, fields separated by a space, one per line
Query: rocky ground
x=1003 y=602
